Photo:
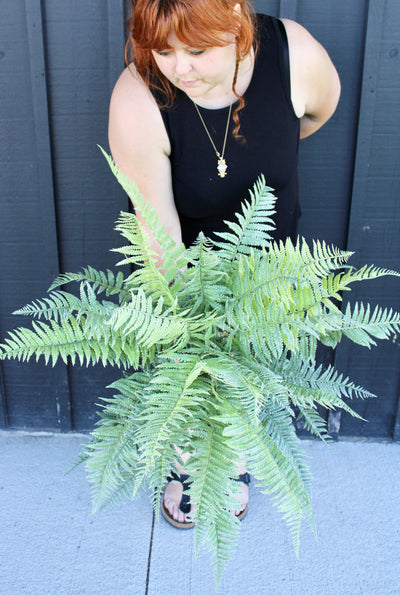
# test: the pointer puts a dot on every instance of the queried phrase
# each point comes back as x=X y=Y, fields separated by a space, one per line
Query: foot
x=242 y=497
x=172 y=502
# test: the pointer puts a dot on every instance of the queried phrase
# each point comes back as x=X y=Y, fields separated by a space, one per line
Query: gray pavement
x=51 y=543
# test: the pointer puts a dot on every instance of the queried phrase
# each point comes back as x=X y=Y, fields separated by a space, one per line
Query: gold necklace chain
x=221 y=167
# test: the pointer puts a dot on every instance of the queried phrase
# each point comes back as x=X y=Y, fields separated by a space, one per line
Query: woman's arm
x=315 y=84
x=140 y=148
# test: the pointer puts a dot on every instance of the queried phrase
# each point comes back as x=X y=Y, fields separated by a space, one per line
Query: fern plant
x=218 y=353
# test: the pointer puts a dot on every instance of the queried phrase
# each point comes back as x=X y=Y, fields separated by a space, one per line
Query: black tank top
x=271 y=129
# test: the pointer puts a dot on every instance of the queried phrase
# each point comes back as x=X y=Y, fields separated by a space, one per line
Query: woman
x=215 y=96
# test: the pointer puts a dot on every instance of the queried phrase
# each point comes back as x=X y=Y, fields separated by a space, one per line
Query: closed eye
x=191 y=52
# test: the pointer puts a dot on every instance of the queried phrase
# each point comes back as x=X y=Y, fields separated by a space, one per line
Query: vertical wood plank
x=116 y=62
x=3 y=405
x=396 y=431
x=288 y=9
x=376 y=10
x=34 y=21
x=116 y=44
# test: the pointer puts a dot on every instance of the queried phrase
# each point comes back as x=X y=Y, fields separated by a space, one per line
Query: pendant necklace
x=221 y=167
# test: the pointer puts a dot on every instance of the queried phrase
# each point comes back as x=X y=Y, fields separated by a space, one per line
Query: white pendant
x=222 y=167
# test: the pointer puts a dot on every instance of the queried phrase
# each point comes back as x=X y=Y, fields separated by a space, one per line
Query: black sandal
x=184 y=505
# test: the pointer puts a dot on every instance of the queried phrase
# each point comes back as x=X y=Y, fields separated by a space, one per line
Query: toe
x=180 y=516
x=169 y=505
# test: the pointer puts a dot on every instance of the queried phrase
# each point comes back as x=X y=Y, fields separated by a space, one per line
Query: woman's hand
x=315 y=84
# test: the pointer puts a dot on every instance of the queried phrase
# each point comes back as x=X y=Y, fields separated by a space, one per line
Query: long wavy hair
x=196 y=23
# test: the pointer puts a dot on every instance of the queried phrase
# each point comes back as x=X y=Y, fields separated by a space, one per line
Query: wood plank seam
x=34 y=22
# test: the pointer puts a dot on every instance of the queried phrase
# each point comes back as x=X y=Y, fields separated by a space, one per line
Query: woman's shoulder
x=131 y=91
x=314 y=79
x=297 y=33
x=134 y=113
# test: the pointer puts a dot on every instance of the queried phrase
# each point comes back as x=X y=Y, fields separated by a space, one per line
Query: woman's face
x=199 y=72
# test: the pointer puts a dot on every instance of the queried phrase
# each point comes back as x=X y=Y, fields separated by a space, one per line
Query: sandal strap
x=244 y=478
x=184 y=506
x=183 y=479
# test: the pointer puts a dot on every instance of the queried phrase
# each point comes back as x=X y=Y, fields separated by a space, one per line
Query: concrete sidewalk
x=50 y=543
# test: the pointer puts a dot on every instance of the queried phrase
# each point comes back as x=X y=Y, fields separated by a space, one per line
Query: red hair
x=196 y=23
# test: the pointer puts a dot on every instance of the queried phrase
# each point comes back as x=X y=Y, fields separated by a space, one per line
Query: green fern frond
x=212 y=469
x=156 y=325
x=314 y=423
x=205 y=283
x=100 y=281
x=59 y=306
x=112 y=455
x=172 y=256
x=140 y=254
x=69 y=342
x=266 y=461
x=252 y=226
x=111 y=462
x=277 y=423
x=240 y=380
x=177 y=393
x=360 y=324
x=368 y=272
x=275 y=278
x=51 y=341
x=309 y=384
x=324 y=258
x=335 y=284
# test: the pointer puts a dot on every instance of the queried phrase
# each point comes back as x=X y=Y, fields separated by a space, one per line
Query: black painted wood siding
x=58 y=201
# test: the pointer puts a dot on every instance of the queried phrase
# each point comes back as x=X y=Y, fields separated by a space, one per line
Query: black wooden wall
x=58 y=201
